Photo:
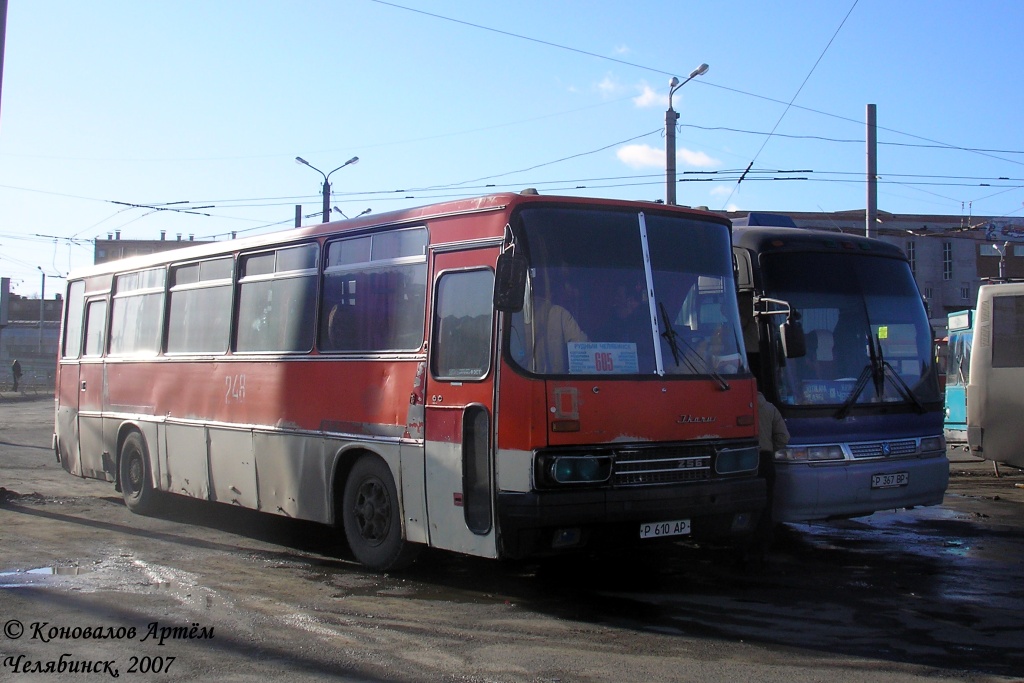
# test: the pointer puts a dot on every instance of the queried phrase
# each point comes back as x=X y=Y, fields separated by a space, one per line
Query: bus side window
x=277 y=300
x=374 y=292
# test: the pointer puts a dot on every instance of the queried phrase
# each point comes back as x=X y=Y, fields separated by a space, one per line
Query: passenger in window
x=629 y=320
x=819 y=361
x=335 y=328
x=556 y=329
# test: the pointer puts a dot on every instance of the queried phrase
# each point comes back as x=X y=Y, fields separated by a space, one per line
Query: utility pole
x=3 y=41
x=871 y=214
x=670 y=133
x=42 y=306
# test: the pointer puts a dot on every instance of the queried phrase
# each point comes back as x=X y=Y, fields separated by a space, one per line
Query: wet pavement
x=913 y=595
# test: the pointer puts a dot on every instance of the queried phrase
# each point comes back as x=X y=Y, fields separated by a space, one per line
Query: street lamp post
x=42 y=305
x=670 y=133
x=1002 y=259
x=327 y=182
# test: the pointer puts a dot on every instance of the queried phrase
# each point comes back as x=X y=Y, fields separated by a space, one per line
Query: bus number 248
x=234 y=389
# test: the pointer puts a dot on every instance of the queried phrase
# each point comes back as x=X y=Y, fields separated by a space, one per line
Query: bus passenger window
x=374 y=292
x=277 y=300
x=199 y=304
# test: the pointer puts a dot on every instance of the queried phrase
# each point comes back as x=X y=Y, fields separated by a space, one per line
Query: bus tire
x=136 y=484
x=372 y=517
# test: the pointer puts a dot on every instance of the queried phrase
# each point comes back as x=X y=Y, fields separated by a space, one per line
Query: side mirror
x=791 y=332
x=510 y=283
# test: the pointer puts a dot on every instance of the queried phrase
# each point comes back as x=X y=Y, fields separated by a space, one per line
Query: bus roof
x=753 y=218
x=483 y=204
x=779 y=239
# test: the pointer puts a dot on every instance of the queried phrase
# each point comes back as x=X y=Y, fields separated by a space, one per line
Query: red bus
x=505 y=376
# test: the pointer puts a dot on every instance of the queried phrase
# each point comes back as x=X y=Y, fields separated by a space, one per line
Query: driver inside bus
x=556 y=329
x=542 y=332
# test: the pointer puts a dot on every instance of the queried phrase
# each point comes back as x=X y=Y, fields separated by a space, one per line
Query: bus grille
x=884 y=449
x=671 y=465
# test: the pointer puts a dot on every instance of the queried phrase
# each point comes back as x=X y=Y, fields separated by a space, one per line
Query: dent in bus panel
x=293 y=474
x=233 y=467
x=186 y=463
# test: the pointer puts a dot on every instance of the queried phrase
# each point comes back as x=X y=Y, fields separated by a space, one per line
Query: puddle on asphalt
x=49 y=571
x=31 y=577
x=121 y=572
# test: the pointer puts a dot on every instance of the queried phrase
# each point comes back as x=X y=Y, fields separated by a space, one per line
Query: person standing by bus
x=16 y=371
x=772 y=436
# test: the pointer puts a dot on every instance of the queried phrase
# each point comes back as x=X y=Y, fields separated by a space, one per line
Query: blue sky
x=108 y=104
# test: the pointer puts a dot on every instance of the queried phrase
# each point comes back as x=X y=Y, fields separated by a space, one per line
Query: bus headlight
x=933 y=445
x=831 y=452
x=733 y=460
x=810 y=453
x=575 y=469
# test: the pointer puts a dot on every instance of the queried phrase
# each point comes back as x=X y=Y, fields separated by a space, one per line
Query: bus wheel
x=136 y=486
x=371 y=515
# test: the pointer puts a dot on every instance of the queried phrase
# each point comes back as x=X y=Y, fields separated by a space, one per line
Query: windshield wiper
x=673 y=339
x=878 y=369
x=858 y=389
x=902 y=389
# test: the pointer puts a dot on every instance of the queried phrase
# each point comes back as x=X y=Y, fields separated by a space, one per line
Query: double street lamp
x=327 y=182
x=670 y=133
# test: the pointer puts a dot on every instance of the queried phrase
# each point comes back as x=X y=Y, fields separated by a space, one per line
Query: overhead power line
x=792 y=100
x=701 y=83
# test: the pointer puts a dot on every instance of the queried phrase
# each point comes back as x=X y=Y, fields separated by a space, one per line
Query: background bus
x=958 y=372
x=360 y=374
x=995 y=398
x=862 y=404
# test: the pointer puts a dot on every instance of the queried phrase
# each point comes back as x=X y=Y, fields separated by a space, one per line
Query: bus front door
x=458 y=415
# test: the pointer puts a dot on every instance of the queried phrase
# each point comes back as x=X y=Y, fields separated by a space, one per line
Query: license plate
x=888 y=481
x=680 y=527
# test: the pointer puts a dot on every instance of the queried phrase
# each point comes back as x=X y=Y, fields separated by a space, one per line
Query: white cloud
x=696 y=159
x=609 y=87
x=720 y=191
x=622 y=49
x=645 y=156
x=641 y=156
x=648 y=97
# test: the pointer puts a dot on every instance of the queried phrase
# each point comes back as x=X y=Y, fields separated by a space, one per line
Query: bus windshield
x=593 y=308
x=868 y=337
